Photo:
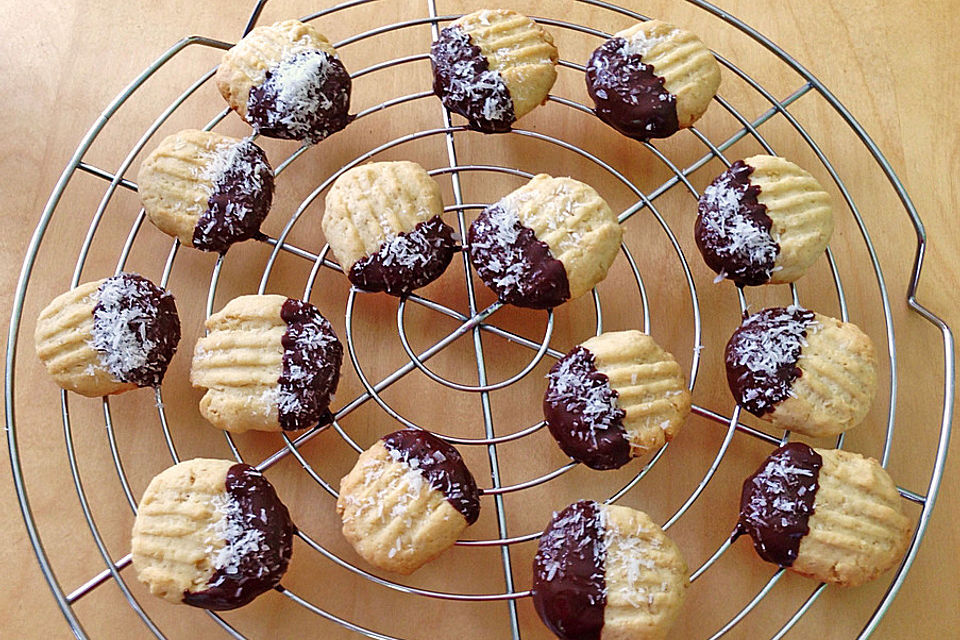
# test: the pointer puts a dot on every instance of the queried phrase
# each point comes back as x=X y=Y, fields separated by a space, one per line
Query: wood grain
x=894 y=64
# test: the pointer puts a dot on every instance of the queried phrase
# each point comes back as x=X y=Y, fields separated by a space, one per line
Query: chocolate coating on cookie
x=762 y=355
x=733 y=228
x=407 y=261
x=463 y=81
x=441 y=465
x=312 y=356
x=777 y=502
x=304 y=97
x=582 y=413
x=628 y=95
x=136 y=329
x=241 y=198
x=569 y=585
x=511 y=260
x=259 y=541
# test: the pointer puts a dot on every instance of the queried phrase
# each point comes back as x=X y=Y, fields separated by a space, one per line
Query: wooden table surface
x=895 y=64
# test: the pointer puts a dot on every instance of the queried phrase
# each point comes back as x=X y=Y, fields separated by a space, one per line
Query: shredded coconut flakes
x=497 y=234
x=570 y=386
x=239 y=541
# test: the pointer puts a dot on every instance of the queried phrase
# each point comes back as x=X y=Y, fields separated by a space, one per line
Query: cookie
x=384 y=222
x=207 y=189
x=651 y=80
x=286 y=81
x=550 y=241
x=828 y=514
x=268 y=363
x=493 y=67
x=763 y=220
x=211 y=534
x=407 y=499
x=615 y=396
x=802 y=371
x=109 y=336
x=603 y=571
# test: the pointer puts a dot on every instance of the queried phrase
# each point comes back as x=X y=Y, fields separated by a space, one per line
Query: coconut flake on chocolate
x=569 y=585
x=256 y=534
x=239 y=198
x=627 y=93
x=312 y=357
x=466 y=85
x=777 y=502
x=594 y=398
x=239 y=541
x=407 y=261
x=582 y=412
x=136 y=329
x=733 y=231
x=306 y=96
x=511 y=260
x=762 y=355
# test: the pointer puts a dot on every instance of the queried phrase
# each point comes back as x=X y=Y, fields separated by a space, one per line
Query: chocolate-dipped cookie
x=613 y=397
x=763 y=220
x=828 y=514
x=286 y=81
x=207 y=189
x=652 y=79
x=109 y=336
x=211 y=534
x=384 y=222
x=407 y=499
x=268 y=363
x=549 y=241
x=802 y=371
x=493 y=67
x=603 y=571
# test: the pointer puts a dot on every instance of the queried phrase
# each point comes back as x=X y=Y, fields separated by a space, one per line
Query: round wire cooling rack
x=476 y=322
